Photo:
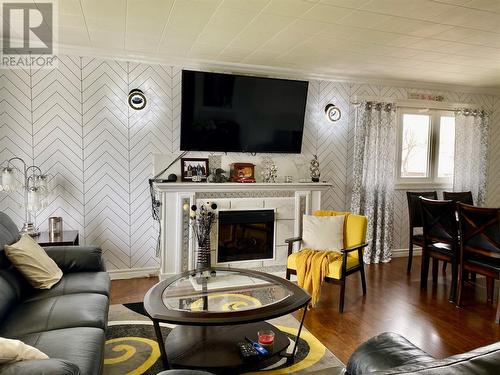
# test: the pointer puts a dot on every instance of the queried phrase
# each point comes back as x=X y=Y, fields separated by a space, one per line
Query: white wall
x=75 y=123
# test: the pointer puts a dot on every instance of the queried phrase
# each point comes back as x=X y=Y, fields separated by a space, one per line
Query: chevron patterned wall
x=75 y=123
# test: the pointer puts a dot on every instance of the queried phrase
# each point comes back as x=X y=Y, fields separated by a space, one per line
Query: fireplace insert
x=245 y=235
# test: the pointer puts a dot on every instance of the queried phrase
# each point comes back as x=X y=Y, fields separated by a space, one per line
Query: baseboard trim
x=133 y=273
x=403 y=253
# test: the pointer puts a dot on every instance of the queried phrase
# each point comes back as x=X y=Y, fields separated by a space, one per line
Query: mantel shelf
x=235 y=186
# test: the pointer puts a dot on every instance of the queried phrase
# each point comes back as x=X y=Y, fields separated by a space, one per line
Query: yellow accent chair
x=352 y=253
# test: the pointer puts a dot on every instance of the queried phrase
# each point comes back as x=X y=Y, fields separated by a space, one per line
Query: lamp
x=34 y=187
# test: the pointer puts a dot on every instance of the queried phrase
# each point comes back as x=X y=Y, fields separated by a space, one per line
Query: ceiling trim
x=220 y=66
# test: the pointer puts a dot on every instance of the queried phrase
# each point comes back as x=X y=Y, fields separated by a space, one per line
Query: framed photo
x=194 y=169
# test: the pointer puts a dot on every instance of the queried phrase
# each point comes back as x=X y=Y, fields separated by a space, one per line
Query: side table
x=67 y=238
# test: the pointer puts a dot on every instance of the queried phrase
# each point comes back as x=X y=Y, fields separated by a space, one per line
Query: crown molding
x=264 y=70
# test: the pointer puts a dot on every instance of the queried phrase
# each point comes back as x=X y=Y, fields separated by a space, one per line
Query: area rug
x=131 y=346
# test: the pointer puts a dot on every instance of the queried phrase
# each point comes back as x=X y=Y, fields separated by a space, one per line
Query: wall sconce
x=332 y=112
x=136 y=99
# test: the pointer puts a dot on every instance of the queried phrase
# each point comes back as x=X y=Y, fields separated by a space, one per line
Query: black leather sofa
x=66 y=322
x=390 y=353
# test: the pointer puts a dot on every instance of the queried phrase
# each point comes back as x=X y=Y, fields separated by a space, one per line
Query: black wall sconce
x=332 y=112
x=136 y=99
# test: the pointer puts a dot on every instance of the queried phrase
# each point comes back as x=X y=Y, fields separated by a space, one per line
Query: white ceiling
x=442 y=41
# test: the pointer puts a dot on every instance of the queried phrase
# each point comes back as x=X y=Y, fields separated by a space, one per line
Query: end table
x=67 y=238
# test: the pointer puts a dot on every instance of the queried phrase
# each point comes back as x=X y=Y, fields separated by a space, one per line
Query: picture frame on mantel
x=194 y=169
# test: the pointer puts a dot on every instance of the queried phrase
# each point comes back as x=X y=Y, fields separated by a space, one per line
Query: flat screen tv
x=235 y=113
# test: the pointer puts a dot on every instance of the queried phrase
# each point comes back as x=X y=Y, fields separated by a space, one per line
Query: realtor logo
x=28 y=34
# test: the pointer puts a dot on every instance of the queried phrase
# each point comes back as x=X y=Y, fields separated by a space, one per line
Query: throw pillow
x=15 y=351
x=323 y=232
x=33 y=263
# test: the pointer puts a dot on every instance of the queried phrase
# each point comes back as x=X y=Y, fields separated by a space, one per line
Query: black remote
x=247 y=351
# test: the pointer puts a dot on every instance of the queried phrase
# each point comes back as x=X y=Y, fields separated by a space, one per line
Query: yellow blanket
x=312 y=267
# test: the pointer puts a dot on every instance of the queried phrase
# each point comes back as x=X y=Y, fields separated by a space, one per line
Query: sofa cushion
x=82 y=346
x=8 y=230
x=67 y=311
x=33 y=262
x=72 y=283
x=41 y=367
x=384 y=352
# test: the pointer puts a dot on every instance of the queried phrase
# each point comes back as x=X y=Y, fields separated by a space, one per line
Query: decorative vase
x=204 y=259
x=314 y=169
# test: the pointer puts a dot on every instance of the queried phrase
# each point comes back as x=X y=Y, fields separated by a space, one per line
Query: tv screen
x=233 y=113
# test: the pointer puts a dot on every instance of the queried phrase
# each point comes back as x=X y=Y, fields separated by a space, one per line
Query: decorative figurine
x=314 y=169
x=270 y=171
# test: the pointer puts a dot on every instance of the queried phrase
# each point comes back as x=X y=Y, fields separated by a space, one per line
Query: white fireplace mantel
x=174 y=194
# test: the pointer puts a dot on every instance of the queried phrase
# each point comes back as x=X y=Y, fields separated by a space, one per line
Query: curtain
x=373 y=186
x=471 y=153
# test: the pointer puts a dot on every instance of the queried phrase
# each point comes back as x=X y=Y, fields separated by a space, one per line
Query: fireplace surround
x=177 y=251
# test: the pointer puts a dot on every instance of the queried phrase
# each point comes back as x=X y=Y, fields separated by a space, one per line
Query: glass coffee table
x=216 y=308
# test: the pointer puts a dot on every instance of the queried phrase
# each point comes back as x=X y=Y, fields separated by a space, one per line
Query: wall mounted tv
x=235 y=113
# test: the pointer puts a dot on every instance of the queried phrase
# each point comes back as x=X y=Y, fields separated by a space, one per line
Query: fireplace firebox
x=245 y=235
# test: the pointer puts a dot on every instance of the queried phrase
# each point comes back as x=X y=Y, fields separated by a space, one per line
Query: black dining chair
x=462 y=197
x=415 y=220
x=440 y=240
x=459 y=196
x=479 y=247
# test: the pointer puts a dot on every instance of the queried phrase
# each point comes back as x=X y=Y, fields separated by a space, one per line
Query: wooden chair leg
x=363 y=279
x=287 y=275
x=342 y=296
x=435 y=268
x=497 y=318
x=424 y=274
x=454 y=281
x=444 y=267
x=460 y=284
x=490 y=288
x=410 y=257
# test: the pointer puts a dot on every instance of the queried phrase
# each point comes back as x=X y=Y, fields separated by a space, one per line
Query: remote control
x=247 y=350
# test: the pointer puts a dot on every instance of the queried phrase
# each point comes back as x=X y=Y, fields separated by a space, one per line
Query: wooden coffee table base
x=214 y=347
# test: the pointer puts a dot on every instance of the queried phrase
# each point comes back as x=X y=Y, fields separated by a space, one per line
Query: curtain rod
x=413 y=103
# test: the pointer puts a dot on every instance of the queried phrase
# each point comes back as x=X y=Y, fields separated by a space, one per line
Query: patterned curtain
x=471 y=153
x=373 y=187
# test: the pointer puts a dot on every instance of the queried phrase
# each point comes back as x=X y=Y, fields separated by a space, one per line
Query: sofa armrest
x=77 y=258
x=41 y=367
x=383 y=352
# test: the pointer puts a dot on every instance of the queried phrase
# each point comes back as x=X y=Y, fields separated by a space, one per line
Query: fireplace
x=245 y=235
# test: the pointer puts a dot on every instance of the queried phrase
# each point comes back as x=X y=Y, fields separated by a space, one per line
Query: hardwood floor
x=394 y=302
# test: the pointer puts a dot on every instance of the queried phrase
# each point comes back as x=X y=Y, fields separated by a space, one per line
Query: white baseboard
x=403 y=253
x=133 y=273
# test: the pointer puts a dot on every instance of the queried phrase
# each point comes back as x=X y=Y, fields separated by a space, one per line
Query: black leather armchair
x=66 y=322
x=390 y=353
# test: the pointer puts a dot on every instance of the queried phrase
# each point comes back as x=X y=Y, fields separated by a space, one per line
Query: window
x=426 y=146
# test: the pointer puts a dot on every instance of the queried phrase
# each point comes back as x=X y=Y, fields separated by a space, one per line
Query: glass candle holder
x=266 y=339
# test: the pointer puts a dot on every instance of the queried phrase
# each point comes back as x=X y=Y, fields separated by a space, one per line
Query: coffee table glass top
x=220 y=291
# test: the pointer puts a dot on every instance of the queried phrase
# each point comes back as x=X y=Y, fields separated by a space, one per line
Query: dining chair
x=415 y=220
x=440 y=231
x=459 y=196
x=463 y=197
x=479 y=246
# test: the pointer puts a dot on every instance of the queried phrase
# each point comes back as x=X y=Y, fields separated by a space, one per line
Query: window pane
x=446 y=146
x=415 y=146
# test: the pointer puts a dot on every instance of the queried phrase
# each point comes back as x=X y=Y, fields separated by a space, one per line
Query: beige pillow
x=15 y=351
x=33 y=262
x=323 y=232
